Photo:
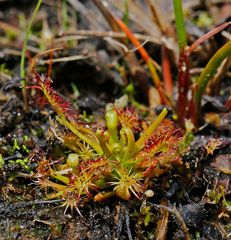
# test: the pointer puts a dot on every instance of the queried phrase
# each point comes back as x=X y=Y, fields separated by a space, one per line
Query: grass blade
x=22 y=63
x=207 y=74
x=180 y=25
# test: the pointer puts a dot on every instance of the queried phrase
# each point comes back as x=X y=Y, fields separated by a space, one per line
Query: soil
x=181 y=206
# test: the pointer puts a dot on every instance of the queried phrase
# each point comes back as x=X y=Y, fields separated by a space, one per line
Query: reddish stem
x=134 y=40
x=208 y=35
x=183 y=84
x=166 y=71
x=149 y=61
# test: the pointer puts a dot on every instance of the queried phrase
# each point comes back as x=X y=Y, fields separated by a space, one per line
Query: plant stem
x=183 y=84
x=22 y=63
x=180 y=25
x=207 y=74
x=149 y=61
x=209 y=35
x=126 y=12
x=166 y=72
x=183 y=65
x=64 y=15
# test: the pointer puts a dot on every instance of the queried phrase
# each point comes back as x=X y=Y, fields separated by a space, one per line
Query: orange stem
x=145 y=56
x=166 y=71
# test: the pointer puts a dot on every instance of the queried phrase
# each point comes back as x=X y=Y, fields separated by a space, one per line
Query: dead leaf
x=223 y=163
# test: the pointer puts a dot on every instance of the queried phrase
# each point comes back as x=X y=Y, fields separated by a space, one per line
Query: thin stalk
x=64 y=15
x=208 y=35
x=22 y=63
x=153 y=72
x=183 y=65
x=149 y=61
x=107 y=14
x=207 y=74
x=180 y=25
x=149 y=131
x=126 y=12
x=166 y=72
x=141 y=50
x=183 y=84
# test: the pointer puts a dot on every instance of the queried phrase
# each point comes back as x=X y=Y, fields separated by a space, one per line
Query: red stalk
x=183 y=84
x=134 y=40
x=146 y=57
x=166 y=71
x=208 y=35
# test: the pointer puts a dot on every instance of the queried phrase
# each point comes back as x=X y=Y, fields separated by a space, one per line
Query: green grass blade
x=22 y=63
x=180 y=25
x=210 y=70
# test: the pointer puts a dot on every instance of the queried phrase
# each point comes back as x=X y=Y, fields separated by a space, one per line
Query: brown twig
x=107 y=15
x=71 y=35
x=178 y=216
x=208 y=35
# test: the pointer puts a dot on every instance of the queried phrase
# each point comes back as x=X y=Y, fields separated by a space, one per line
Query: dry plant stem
x=115 y=23
x=166 y=70
x=208 y=35
x=162 y=224
x=101 y=34
x=149 y=61
x=208 y=72
x=22 y=63
x=92 y=18
x=178 y=216
x=107 y=15
x=141 y=50
x=9 y=48
x=157 y=16
x=37 y=56
x=183 y=84
x=64 y=59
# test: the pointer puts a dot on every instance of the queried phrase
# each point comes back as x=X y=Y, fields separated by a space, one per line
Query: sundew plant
x=118 y=158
